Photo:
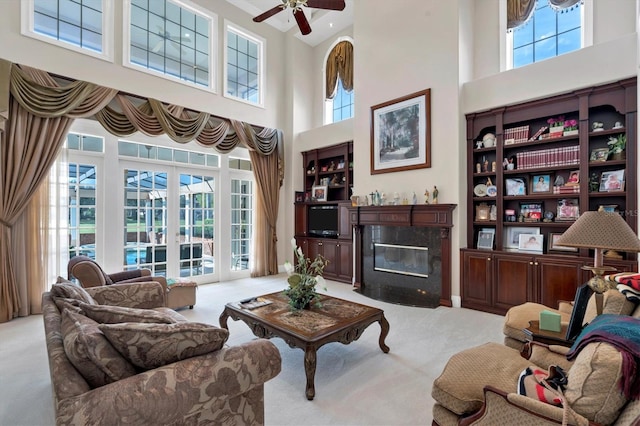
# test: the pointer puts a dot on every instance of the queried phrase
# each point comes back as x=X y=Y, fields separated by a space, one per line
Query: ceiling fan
x=174 y=40
x=296 y=6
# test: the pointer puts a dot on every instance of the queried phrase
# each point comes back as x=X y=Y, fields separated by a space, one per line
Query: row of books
x=516 y=135
x=566 y=189
x=564 y=156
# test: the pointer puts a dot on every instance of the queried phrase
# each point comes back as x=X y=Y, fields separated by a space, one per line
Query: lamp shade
x=600 y=230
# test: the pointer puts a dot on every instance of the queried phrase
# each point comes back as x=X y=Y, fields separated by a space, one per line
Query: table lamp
x=600 y=230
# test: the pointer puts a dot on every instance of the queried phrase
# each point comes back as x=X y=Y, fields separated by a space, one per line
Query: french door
x=168 y=220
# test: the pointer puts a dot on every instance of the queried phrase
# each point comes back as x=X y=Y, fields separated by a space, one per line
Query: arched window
x=339 y=82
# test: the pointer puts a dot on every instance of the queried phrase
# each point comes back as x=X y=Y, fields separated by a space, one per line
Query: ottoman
x=181 y=293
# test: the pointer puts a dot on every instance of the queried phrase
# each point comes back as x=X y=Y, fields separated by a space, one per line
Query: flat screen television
x=322 y=221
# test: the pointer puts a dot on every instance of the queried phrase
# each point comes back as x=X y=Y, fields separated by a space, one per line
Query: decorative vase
x=570 y=132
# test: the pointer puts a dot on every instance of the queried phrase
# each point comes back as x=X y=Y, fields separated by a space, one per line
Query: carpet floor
x=356 y=384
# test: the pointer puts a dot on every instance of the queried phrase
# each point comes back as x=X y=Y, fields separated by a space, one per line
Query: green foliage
x=303 y=278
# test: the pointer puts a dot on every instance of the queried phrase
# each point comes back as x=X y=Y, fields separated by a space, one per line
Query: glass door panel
x=197 y=224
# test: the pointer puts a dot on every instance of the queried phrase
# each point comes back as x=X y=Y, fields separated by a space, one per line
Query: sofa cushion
x=69 y=290
x=460 y=386
x=613 y=302
x=107 y=314
x=91 y=353
x=593 y=388
x=152 y=345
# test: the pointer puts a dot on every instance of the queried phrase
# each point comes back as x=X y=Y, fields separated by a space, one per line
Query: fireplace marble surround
x=392 y=245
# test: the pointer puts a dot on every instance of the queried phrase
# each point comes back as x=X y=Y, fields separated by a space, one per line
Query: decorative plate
x=480 y=190
x=492 y=191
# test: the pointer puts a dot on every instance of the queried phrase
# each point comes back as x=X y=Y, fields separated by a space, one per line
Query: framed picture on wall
x=401 y=133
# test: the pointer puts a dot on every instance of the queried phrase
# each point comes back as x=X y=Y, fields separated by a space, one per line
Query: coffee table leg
x=384 y=330
x=223 y=319
x=310 y=370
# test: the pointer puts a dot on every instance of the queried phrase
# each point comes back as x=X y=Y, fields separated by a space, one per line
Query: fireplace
x=403 y=253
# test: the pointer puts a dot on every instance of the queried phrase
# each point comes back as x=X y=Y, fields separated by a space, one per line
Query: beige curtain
x=339 y=66
x=519 y=12
x=39 y=114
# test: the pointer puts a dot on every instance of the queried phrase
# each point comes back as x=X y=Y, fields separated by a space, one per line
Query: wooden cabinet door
x=558 y=279
x=476 y=279
x=513 y=280
x=345 y=261
x=329 y=249
x=344 y=221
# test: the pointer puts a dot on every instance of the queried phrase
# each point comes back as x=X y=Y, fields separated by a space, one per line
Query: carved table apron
x=336 y=320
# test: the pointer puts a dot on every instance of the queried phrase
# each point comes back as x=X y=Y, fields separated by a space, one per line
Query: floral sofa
x=154 y=368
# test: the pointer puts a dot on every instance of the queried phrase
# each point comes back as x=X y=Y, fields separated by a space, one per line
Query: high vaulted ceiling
x=324 y=23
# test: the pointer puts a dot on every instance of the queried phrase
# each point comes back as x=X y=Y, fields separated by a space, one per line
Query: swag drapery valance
x=519 y=11
x=36 y=112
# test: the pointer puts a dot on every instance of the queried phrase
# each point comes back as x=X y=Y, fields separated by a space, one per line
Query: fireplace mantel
x=419 y=215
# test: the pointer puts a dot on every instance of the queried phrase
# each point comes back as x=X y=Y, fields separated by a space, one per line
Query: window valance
x=339 y=66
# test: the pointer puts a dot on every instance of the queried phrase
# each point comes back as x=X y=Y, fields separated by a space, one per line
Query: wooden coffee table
x=337 y=320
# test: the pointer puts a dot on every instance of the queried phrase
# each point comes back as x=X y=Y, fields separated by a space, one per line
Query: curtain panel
x=519 y=11
x=339 y=66
x=39 y=112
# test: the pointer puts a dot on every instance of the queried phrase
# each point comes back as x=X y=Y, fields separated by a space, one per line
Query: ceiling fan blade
x=268 y=14
x=158 y=46
x=326 y=4
x=305 y=28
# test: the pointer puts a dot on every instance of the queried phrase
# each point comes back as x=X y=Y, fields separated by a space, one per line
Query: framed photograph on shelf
x=299 y=196
x=531 y=242
x=612 y=181
x=401 y=133
x=485 y=240
x=512 y=236
x=599 y=154
x=515 y=186
x=541 y=184
x=568 y=209
x=319 y=193
x=531 y=212
x=552 y=246
x=574 y=178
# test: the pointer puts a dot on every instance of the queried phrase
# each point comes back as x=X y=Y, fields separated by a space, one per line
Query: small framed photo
x=531 y=242
x=612 y=181
x=512 y=236
x=299 y=196
x=609 y=208
x=552 y=246
x=574 y=178
x=515 y=186
x=568 y=209
x=485 y=240
x=531 y=212
x=541 y=184
x=319 y=192
x=599 y=154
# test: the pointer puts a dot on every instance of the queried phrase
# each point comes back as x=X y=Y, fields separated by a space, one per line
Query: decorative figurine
x=396 y=199
x=383 y=199
x=594 y=182
x=334 y=180
x=414 y=199
x=478 y=144
x=435 y=194
x=478 y=167
x=426 y=196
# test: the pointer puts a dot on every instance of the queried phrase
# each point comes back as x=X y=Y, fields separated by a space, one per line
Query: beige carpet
x=356 y=384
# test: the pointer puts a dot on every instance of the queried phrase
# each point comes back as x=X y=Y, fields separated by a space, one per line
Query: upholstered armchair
x=479 y=387
x=90 y=274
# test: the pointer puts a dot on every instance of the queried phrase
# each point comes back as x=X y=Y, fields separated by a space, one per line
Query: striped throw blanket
x=627 y=283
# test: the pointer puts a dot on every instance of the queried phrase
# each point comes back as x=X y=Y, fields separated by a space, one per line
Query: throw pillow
x=91 y=353
x=66 y=303
x=150 y=346
x=69 y=290
x=593 y=387
x=106 y=314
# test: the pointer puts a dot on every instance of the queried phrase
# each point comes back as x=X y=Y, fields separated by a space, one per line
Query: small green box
x=549 y=321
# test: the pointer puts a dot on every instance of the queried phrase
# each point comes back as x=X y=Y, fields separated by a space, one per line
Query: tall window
x=80 y=25
x=338 y=82
x=244 y=53
x=548 y=33
x=171 y=38
x=82 y=210
x=241 y=222
x=342 y=104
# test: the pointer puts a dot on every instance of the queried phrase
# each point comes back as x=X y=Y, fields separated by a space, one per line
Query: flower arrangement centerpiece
x=617 y=146
x=570 y=128
x=303 y=278
x=556 y=124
